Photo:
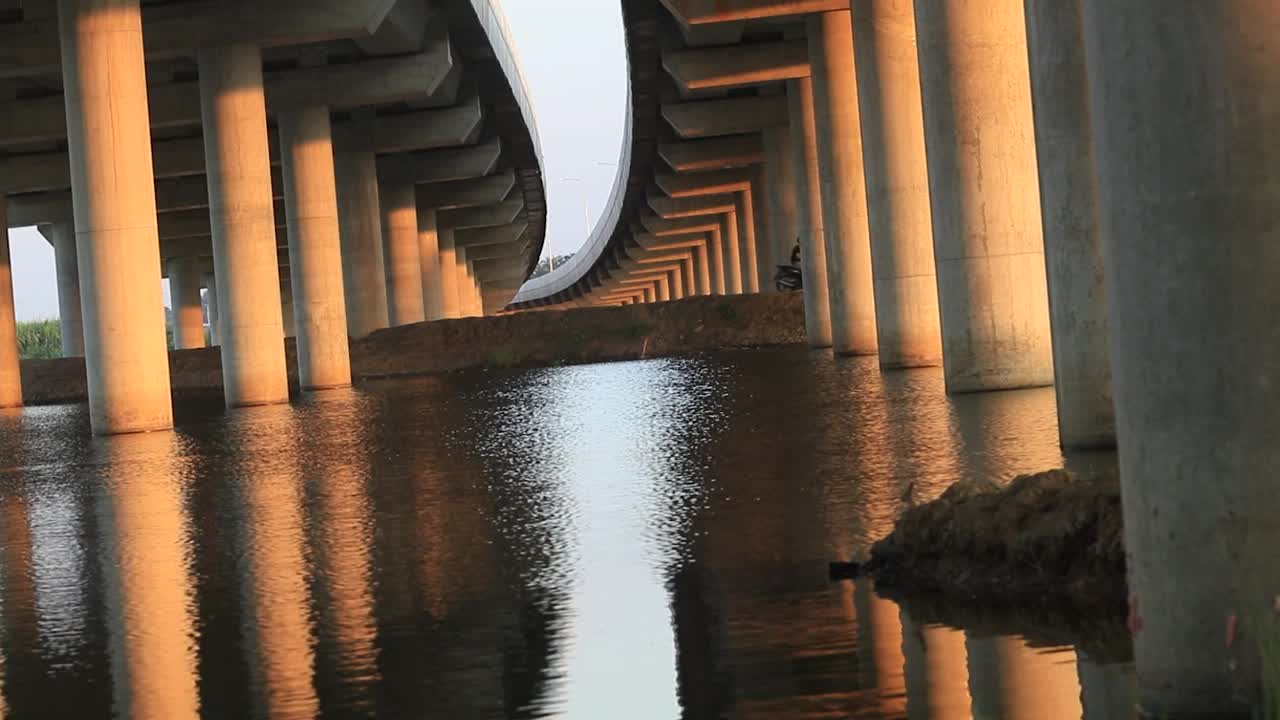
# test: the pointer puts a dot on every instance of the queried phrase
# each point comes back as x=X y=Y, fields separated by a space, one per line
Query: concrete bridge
x=325 y=168
x=1076 y=193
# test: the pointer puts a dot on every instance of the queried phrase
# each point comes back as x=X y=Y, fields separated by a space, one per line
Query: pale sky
x=574 y=62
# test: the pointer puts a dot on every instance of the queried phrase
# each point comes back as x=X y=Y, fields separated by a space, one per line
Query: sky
x=574 y=61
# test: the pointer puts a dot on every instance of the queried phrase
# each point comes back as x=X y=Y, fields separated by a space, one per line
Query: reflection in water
x=146 y=566
x=635 y=540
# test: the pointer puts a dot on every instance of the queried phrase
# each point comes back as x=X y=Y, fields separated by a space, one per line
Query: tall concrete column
x=10 y=367
x=246 y=265
x=844 y=200
x=813 y=251
x=429 y=255
x=363 y=269
x=732 y=253
x=689 y=275
x=315 y=254
x=766 y=243
x=62 y=236
x=750 y=259
x=1187 y=166
x=702 y=268
x=984 y=195
x=188 y=313
x=897 y=181
x=1072 y=238
x=477 y=297
x=403 y=258
x=779 y=170
x=650 y=294
x=460 y=281
x=210 y=284
x=113 y=192
x=718 y=283
x=448 y=263
x=677 y=284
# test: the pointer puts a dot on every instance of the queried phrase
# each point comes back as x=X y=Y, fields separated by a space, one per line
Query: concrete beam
x=700 y=12
x=495 y=252
x=726 y=116
x=461 y=163
x=195 y=223
x=678 y=226
x=466 y=193
x=403 y=30
x=482 y=216
x=32 y=48
x=497 y=235
x=659 y=243
x=416 y=130
x=669 y=208
x=715 y=153
x=716 y=182
x=738 y=65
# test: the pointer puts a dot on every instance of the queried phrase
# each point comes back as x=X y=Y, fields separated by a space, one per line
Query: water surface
x=629 y=540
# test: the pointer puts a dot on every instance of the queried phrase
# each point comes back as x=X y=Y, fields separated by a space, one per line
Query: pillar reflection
x=17 y=601
x=148 y=580
x=278 y=629
x=936 y=671
x=880 y=649
x=344 y=528
x=1013 y=681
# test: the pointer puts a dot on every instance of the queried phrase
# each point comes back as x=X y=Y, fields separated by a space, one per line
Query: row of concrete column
x=105 y=255
x=1083 y=193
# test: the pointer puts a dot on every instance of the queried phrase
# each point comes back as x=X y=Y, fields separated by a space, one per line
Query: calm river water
x=635 y=540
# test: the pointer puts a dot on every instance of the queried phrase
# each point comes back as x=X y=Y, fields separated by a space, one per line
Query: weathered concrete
x=315 y=252
x=897 y=181
x=242 y=219
x=62 y=235
x=403 y=256
x=1189 y=207
x=113 y=190
x=1072 y=237
x=363 y=266
x=732 y=240
x=844 y=201
x=984 y=196
x=779 y=169
x=10 y=370
x=184 y=293
x=813 y=252
x=702 y=268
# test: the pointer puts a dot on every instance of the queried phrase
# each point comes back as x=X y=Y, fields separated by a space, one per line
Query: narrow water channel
x=640 y=540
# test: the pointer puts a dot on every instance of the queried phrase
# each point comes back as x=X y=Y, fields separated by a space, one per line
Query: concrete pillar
x=780 y=173
x=650 y=294
x=813 y=252
x=702 y=268
x=113 y=191
x=462 y=295
x=477 y=295
x=288 y=326
x=315 y=253
x=1187 y=166
x=210 y=284
x=676 y=283
x=732 y=241
x=984 y=195
x=429 y=255
x=844 y=200
x=10 y=367
x=897 y=182
x=687 y=272
x=363 y=269
x=188 y=313
x=246 y=265
x=1072 y=238
x=766 y=242
x=447 y=267
x=747 y=240
x=63 y=237
x=718 y=284
x=403 y=258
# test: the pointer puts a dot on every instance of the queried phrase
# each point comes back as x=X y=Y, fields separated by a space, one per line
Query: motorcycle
x=788 y=278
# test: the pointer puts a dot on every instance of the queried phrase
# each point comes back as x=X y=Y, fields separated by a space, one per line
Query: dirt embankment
x=1043 y=556
x=532 y=339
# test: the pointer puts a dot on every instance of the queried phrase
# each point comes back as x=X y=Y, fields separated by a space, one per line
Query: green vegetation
x=39 y=340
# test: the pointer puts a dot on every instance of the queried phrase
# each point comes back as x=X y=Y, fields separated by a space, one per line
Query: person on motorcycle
x=788 y=277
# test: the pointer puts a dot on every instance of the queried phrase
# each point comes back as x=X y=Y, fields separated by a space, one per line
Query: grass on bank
x=39 y=340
